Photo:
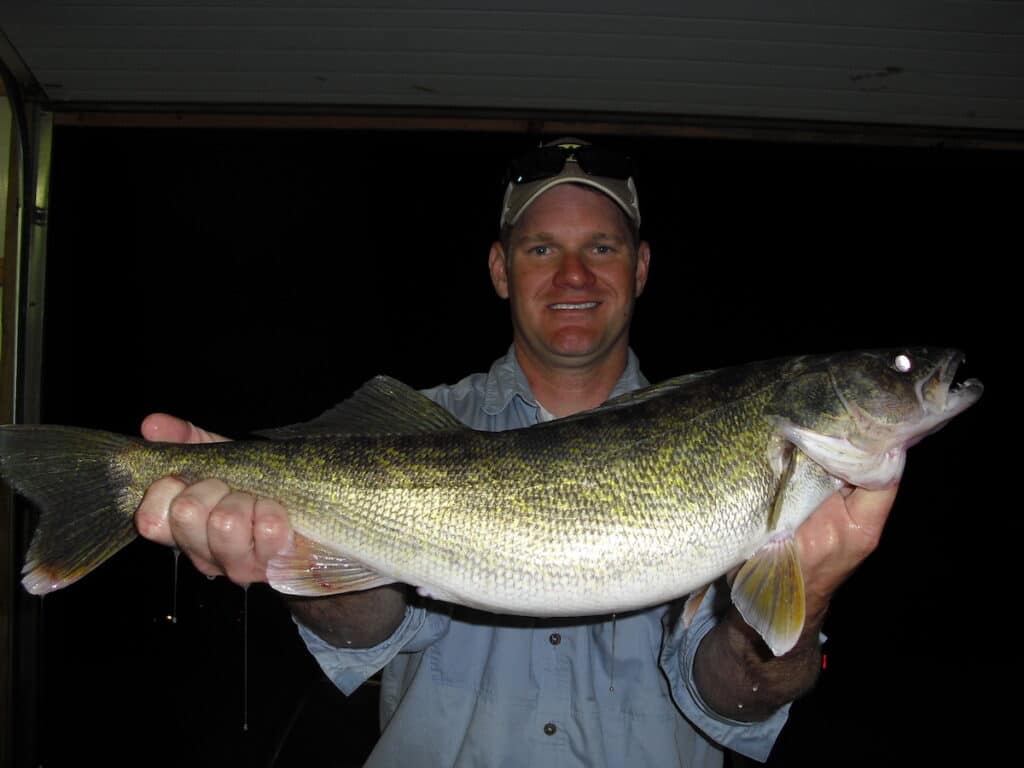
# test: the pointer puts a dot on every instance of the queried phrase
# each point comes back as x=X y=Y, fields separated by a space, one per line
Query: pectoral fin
x=693 y=603
x=769 y=594
x=854 y=464
x=311 y=569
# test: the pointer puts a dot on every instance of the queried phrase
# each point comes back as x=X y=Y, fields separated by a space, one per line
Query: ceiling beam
x=502 y=121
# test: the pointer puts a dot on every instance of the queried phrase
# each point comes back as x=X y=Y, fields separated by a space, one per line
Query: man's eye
x=540 y=250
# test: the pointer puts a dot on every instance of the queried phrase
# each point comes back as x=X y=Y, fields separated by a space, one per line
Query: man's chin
x=575 y=348
x=578 y=354
x=571 y=348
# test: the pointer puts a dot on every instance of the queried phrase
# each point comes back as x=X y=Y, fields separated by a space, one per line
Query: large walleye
x=647 y=498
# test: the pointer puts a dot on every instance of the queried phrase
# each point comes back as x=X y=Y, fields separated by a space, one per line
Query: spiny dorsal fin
x=382 y=406
x=638 y=396
x=654 y=390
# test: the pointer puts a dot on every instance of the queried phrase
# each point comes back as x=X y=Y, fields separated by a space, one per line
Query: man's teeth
x=580 y=305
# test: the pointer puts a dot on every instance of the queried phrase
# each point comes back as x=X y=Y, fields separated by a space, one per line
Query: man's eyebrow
x=536 y=237
x=540 y=237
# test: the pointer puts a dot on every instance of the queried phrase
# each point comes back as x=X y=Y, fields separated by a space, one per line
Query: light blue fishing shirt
x=467 y=688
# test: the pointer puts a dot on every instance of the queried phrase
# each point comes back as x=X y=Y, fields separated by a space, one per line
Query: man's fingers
x=869 y=510
x=151 y=518
x=189 y=519
x=221 y=531
x=271 y=531
x=230 y=536
x=164 y=428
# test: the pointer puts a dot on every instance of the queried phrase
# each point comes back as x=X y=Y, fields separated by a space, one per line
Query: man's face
x=571 y=275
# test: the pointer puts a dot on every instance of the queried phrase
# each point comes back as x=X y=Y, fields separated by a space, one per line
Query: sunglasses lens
x=546 y=162
x=540 y=164
x=599 y=162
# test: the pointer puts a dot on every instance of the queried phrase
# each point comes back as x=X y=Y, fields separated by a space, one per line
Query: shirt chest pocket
x=493 y=657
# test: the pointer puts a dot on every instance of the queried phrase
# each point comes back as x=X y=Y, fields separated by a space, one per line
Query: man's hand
x=735 y=672
x=836 y=539
x=222 y=532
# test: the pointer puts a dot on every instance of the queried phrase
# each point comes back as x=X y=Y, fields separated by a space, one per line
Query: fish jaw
x=942 y=399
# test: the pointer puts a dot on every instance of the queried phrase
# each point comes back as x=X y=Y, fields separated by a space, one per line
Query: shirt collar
x=506 y=380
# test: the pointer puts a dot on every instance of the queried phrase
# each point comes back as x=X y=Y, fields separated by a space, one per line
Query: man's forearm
x=739 y=677
x=354 y=620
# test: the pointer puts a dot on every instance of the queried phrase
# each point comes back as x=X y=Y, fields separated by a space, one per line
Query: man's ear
x=499 y=273
x=643 y=265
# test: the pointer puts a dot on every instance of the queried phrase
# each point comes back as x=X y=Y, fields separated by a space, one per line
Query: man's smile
x=575 y=305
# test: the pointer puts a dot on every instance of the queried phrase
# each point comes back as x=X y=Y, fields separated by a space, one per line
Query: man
x=462 y=687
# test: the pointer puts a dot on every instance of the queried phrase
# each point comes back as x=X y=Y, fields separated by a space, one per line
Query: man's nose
x=574 y=272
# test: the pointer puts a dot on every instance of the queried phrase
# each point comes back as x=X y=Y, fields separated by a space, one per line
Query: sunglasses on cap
x=545 y=162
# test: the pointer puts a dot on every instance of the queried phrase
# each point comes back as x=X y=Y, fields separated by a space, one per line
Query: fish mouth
x=942 y=396
x=940 y=392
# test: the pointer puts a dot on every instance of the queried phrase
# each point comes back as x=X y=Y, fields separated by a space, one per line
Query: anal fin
x=311 y=569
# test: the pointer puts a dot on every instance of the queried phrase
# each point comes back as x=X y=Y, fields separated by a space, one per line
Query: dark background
x=244 y=279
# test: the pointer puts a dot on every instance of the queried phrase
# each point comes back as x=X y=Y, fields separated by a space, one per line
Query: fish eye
x=902 y=363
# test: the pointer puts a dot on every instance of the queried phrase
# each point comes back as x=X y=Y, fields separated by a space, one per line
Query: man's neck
x=563 y=391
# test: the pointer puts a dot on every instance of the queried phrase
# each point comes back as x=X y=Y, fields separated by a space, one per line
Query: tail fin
x=70 y=475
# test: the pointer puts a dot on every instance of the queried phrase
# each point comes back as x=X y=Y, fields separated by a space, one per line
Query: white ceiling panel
x=923 y=63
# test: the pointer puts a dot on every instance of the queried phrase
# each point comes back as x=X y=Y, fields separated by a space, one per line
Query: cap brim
x=519 y=197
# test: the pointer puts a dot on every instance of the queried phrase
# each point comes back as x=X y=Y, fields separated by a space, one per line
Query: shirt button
x=549 y=729
x=554 y=638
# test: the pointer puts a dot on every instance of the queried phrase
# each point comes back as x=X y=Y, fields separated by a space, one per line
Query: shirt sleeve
x=348 y=668
x=753 y=740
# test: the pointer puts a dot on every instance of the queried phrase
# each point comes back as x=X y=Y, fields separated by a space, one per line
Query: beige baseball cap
x=569 y=161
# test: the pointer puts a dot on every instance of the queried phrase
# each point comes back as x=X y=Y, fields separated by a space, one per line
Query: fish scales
x=593 y=515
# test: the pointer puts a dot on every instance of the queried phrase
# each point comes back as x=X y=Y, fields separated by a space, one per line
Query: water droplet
x=173 y=618
x=245 y=657
x=611 y=672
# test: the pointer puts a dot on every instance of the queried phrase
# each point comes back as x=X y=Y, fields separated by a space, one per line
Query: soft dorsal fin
x=382 y=406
